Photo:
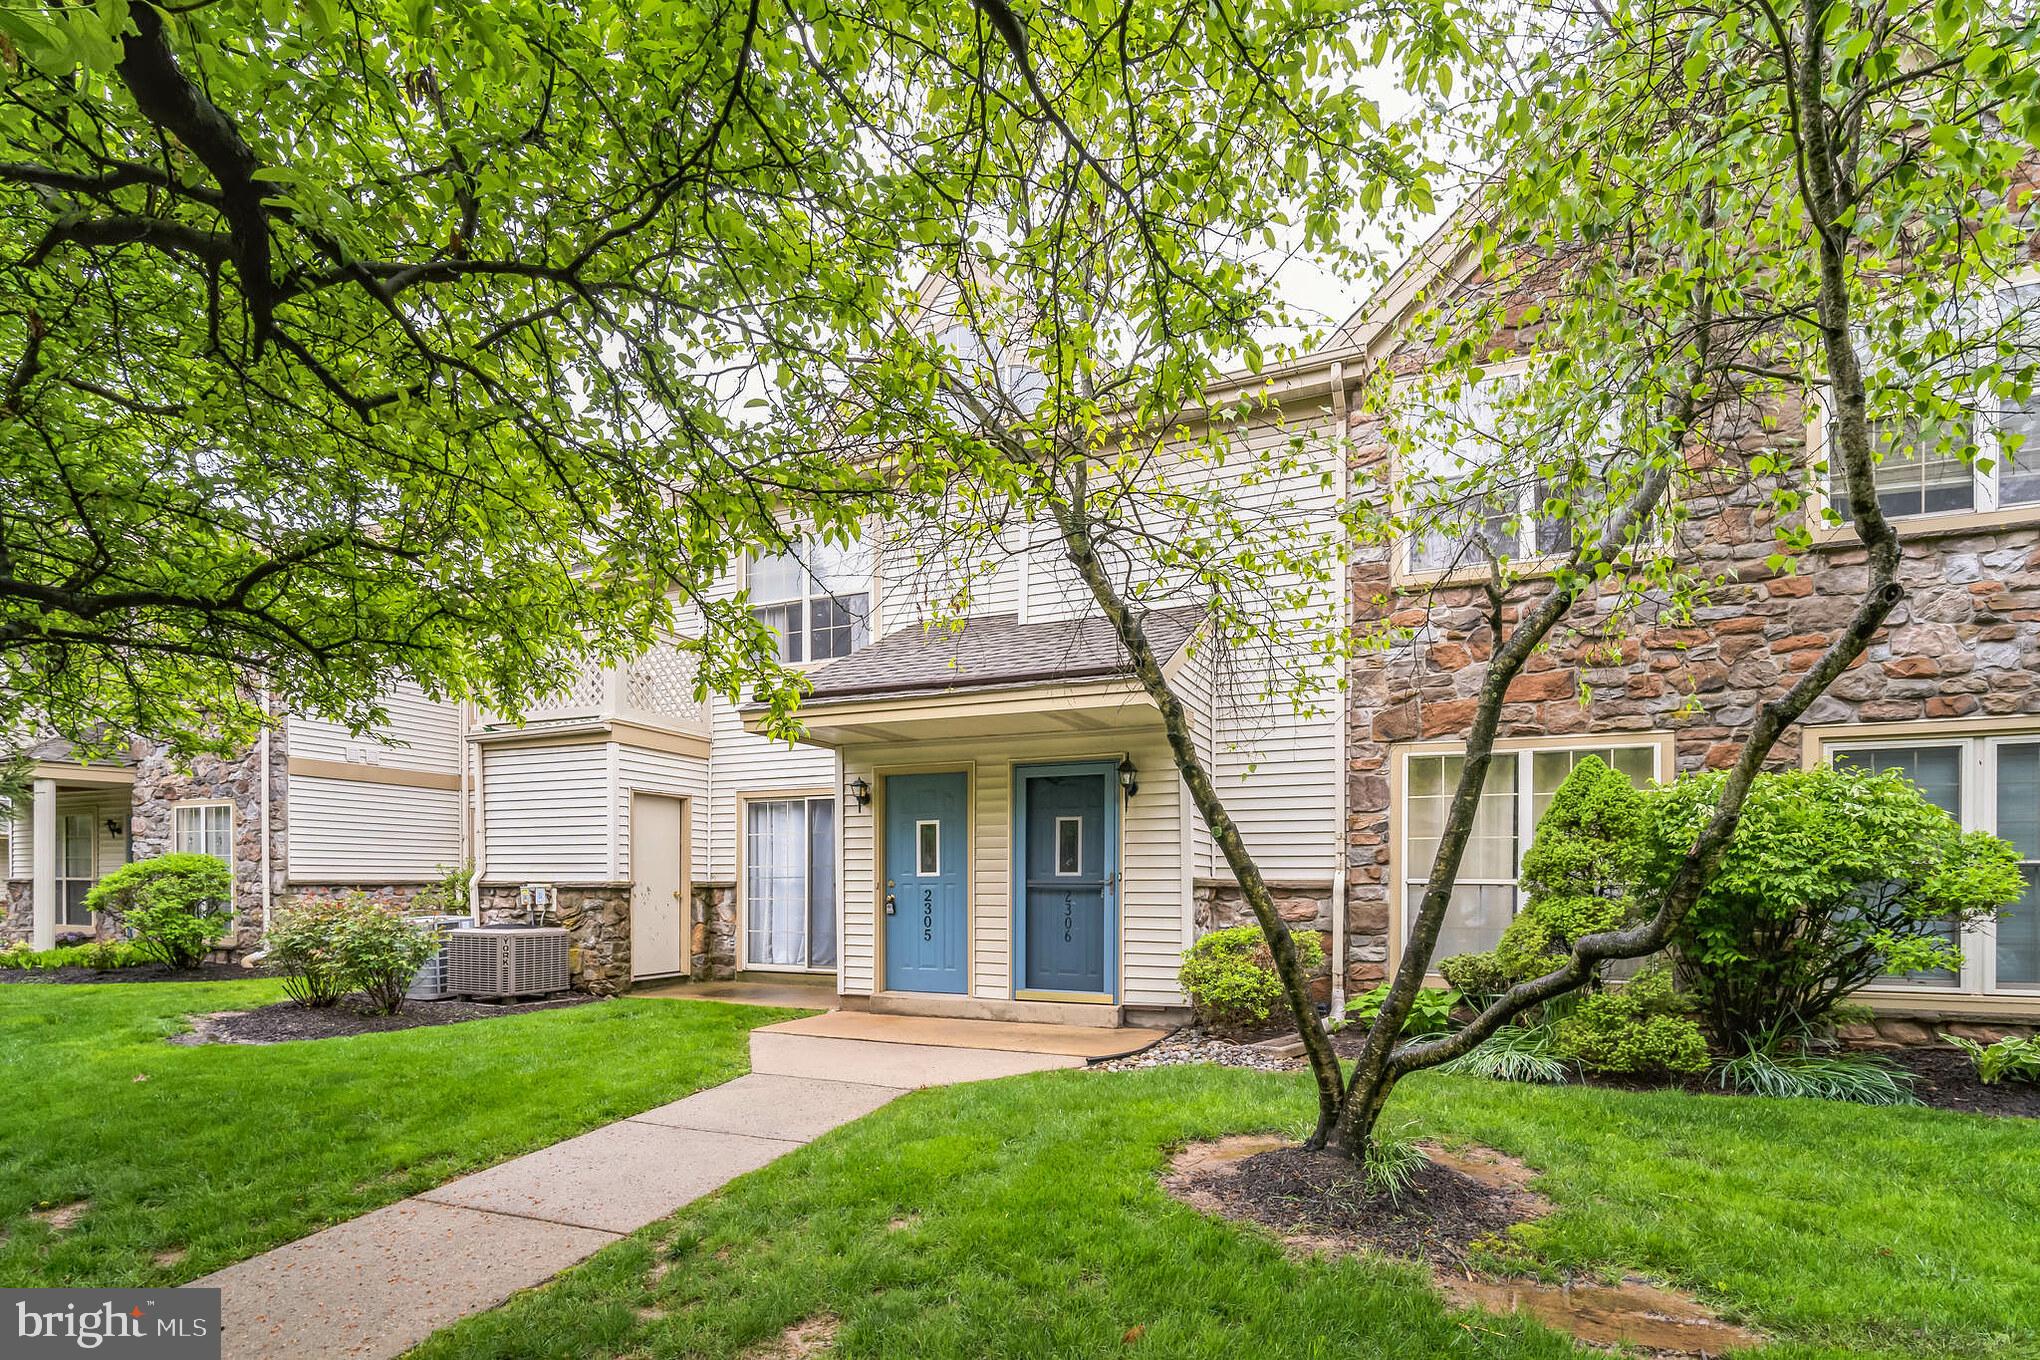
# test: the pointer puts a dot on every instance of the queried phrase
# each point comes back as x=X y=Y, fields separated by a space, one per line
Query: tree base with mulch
x=287 y=1022
x=1454 y=1203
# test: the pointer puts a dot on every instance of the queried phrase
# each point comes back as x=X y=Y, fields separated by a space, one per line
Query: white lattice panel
x=662 y=682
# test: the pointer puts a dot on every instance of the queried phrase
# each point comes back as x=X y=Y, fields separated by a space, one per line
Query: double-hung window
x=1467 y=488
x=1987 y=458
x=1988 y=783
x=790 y=883
x=1514 y=798
x=815 y=597
x=203 y=829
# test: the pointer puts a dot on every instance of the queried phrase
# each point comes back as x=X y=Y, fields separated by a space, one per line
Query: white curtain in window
x=775 y=883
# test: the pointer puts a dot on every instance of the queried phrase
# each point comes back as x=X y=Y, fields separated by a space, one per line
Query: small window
x=1069 y=846
x=928 y=849
x=204 y=829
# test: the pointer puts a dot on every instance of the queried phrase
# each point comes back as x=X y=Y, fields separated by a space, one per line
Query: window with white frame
x=816 y=598
x=1462 y=440
x=790 y=883
x=1986 y=459
x=1517 y=793
x=203 y=829
x=1988 y=783
x=77 y=866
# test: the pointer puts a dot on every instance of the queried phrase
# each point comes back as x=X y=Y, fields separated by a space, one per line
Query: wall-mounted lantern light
x=859 y=792
x=1129 y=777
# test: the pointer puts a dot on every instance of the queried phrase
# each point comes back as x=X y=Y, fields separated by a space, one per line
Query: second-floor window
x=1495 y=515
x=1987 y=458
x=1924 y=470
x=816 y=598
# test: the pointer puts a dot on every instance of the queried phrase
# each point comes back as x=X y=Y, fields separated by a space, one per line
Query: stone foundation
x=596 y=917
x=1913 y=1031
x=403 y=894
x=1218 y=904
x=18 y=920
x=712 y=932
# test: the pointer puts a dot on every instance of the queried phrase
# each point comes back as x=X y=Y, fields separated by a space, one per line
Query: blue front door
x=1069 y=862
x=925 y=926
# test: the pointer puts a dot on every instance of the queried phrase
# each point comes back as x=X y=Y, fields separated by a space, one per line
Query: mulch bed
x=1947 y=1081
x=1311 y=1195
x=147 y=972
x=288 y=1022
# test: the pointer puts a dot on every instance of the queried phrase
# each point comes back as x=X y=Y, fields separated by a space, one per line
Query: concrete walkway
x=375 y=1286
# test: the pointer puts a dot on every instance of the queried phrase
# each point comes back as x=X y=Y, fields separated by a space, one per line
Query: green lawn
x=1023 y=1218
x=191 y=1158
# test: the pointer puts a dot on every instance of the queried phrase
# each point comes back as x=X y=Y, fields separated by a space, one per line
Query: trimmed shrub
x=381 y=952
x=1637 y=1029
x=330 y=946
x=1430 y=1013
x=304 y=941
x=1230 y=976
x=1835 y=876
x=105 y=954
x=1480 y=978
x=175 y=908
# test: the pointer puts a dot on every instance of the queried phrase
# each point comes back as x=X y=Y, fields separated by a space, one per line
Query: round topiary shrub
x=1230 y=976
x=176 y=908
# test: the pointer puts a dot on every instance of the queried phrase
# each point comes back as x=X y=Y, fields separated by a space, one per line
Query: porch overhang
x=992 y=676
x=1015 y=711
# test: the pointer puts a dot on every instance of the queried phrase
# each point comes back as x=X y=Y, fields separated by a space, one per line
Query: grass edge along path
x=131 y=1161
x=1025 y=1217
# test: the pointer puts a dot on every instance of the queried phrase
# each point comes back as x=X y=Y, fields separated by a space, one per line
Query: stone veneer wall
x=596 y=917
x=18 y=920
x=161 y=783
x=712 y=932
x=1965 y=643
x=1217 y=904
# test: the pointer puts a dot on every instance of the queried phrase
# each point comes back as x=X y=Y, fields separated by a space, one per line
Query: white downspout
x=480 y=831
x=268 y=829
x=1340 y=795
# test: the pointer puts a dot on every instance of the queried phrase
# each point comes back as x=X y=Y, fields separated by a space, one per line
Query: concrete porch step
x=1075 y=1014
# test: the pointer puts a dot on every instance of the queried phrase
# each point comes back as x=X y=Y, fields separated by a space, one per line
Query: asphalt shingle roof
x=994 y=650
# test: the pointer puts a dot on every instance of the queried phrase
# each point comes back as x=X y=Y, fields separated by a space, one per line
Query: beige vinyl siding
x=357 y=832
x=744 y=765
x=421 y=734
x=919 y=581
x=548 y=814
x=856 y=889
x=644 y=771
x=21 y=827
x=371 y=831
x=1153 y=898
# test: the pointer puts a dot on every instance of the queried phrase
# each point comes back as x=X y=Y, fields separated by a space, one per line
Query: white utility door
x=658 y=859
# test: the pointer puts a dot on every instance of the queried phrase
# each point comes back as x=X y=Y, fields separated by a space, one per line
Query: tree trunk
x=1073 y=523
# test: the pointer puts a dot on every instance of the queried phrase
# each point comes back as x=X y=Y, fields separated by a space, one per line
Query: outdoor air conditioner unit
x=430 y=983
x=498 y=962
